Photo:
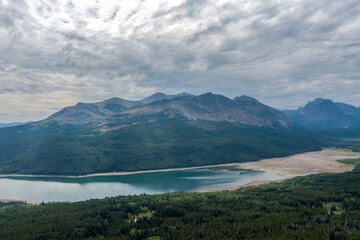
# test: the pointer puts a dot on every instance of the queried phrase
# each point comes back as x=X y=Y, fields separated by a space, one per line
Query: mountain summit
x=160 y=96
x=323 y=113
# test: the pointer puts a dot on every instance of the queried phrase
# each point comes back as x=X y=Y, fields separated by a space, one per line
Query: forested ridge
x=323 y=206
x=143 y=142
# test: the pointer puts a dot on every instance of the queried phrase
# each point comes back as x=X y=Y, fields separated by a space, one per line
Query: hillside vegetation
x=142 y=142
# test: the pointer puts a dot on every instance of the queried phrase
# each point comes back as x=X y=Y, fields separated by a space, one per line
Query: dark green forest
x=323 y=206
x=143 y=142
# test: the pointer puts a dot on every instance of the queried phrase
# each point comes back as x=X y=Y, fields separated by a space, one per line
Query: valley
x=172 y=120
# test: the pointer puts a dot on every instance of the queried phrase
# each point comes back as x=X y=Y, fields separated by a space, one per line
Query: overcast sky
x=55 y=53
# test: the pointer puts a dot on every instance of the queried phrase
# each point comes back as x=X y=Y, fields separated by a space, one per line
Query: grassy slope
x=154 y=142
x=314 y=207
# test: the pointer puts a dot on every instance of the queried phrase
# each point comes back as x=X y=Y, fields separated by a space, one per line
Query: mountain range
x=207 y=106
x=324 y=113
x=160 y=131
x=319 y=113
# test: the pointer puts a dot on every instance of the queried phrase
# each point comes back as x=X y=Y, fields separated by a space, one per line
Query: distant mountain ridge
x=319 y=113
x=207 y=106
x=324 y=113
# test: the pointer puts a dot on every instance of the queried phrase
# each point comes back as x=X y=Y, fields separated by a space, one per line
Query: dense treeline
x=142 y=142
x=314 y=207
x=339 y=137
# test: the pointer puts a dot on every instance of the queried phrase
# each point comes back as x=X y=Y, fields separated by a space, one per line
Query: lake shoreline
x=119 y=173
x=253 y=165
x=280 y=169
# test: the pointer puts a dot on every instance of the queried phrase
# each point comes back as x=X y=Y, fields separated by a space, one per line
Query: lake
x=76 y=189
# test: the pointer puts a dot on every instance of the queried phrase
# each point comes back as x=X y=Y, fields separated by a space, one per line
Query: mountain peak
x=319 y=100
x=183 y=94
x=113 y=99
x=323 y=113
x=154 y=97
x=158 y=94
x=245 y=98
x=161 y=96
x=321 y=104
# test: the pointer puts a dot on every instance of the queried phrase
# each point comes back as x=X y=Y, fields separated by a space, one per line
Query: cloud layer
x=55 y=53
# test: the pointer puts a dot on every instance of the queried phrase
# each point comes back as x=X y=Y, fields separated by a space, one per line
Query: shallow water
x=70 y=189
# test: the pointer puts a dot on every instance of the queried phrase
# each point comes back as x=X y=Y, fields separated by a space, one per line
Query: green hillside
x=314 y=207
x=142 y=142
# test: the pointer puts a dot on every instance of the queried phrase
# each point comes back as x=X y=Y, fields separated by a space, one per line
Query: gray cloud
x=282 y=52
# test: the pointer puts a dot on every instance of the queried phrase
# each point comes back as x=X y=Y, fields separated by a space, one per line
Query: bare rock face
x=214 y=107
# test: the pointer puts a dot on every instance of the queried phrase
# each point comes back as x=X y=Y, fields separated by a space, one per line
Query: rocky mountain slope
x=215 y=107
x=349 y=110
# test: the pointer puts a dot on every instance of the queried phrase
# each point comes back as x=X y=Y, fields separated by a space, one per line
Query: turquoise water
x=69 y=189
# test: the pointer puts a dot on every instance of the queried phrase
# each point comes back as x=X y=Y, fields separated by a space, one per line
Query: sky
x=284 y=53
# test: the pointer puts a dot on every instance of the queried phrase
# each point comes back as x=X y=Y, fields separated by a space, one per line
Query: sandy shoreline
x=324 y=161
x=252 y=183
